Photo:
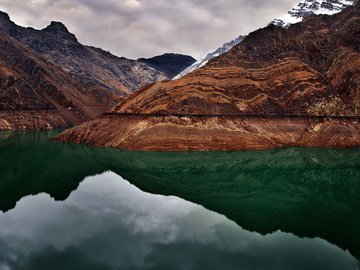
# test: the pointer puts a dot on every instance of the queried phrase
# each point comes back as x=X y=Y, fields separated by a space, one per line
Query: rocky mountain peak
x=309 y=7
x=4 y=16
x=58 y=31
x=57 y=27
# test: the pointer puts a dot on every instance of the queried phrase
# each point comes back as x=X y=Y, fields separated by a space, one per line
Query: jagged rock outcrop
x=305 y=78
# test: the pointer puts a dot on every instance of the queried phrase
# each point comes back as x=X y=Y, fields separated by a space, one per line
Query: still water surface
x=62 y=208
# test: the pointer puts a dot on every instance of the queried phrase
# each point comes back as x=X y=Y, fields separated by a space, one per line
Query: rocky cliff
x=280 y=87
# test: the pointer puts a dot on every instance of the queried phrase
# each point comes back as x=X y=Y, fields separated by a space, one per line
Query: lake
x=66 y=206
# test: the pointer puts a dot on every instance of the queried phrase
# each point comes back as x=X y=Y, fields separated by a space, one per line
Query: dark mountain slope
x=169 y=63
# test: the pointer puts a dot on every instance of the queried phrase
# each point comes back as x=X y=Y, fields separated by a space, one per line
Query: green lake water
x=66 y=206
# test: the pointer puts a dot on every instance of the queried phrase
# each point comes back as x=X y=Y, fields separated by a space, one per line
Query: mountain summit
x=309 y=7
x=56 y=27
x=4 y=16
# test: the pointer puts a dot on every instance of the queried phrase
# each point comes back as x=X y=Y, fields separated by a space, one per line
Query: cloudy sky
x=144 y=28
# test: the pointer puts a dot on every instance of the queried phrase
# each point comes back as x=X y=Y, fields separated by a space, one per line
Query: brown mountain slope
x=307 y=78
x=95 y=68
x=38 y=95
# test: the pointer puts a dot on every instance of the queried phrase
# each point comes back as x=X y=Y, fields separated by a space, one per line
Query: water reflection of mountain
x=109 y=224
x=309 y=192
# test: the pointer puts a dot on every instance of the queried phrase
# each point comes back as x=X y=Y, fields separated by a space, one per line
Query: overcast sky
x=144 y=28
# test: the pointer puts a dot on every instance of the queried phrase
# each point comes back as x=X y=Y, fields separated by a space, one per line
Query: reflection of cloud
x=108 y=223
x=130 y=27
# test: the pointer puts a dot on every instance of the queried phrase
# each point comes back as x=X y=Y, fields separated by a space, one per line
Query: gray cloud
x=144 y=28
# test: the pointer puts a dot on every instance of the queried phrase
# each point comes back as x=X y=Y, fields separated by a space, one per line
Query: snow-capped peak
x=204 y=60
x=309 y=7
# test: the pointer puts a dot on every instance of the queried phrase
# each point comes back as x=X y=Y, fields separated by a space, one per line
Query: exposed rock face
x=169 y=63
x=38 y=95
x=199 y=133
x=306 y=77
x=36 y=120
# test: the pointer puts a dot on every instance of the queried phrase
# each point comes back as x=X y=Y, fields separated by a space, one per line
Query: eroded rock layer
x=306 y=78
x=199 y=133
x=32 y=120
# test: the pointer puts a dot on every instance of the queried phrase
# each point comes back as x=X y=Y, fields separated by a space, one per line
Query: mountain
x=95 y=68
x=169 y=63
x=36 y=94
x=76 y=82
x=304 y=9
x=279 y=87
x=203 y=61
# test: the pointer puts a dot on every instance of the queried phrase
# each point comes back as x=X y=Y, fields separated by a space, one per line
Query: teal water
x=292 y=208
